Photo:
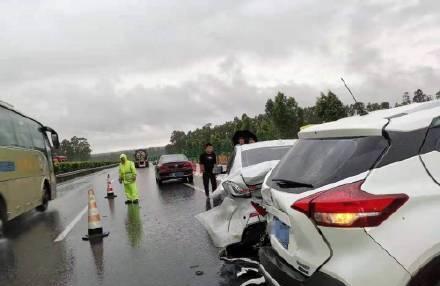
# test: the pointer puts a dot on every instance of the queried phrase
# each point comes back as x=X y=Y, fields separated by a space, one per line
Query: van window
x=7 y=135
x=22 y=130
x=315 y=163
x=37 y=136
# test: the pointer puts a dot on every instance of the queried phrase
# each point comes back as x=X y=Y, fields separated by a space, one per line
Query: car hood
x=254 y=175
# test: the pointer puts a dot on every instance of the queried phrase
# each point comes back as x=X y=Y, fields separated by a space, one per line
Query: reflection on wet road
x=158 y=242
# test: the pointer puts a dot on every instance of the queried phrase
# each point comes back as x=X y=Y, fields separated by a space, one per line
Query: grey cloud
x=65 y=63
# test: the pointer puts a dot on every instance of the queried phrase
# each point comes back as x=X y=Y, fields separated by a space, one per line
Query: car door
x=430 y=152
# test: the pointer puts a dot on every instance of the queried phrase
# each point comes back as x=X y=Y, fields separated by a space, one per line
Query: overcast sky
x=126 y=73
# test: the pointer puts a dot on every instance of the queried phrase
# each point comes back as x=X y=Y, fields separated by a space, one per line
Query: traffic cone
x=110 y=193
x=95 y=226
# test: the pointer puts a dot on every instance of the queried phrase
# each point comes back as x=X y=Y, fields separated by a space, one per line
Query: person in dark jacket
x=207 y=161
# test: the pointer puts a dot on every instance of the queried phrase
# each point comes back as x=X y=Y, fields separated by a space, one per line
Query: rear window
x=315 y=163
x=259 y=155
x=173 y=158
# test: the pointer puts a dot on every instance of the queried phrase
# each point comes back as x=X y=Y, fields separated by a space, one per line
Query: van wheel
x=44 y=200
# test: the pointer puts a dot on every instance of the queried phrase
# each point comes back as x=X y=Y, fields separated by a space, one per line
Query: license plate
x=281 y=232
x=178 y=174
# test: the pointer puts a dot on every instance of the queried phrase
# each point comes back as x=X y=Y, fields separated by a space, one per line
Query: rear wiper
x=291 y=184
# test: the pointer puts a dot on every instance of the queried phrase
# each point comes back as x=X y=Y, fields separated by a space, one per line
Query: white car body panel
x=397 y=234
x=255 y=174
x=217 y=222
x=432 y=162
x=355 y=252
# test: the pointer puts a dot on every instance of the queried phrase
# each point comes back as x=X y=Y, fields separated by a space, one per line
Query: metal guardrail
x=71 y=175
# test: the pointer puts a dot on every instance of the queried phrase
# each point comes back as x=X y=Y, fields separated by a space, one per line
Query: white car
x=235 y=220
x=357 y=202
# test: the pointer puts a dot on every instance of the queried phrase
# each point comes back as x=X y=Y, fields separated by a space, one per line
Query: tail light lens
x=163 y=168
x=260 y=209
x=349 y=206
x=188 y=165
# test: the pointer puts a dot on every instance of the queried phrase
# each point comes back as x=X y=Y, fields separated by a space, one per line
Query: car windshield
x=173 y=158
x=318 y=162
x=259 y=155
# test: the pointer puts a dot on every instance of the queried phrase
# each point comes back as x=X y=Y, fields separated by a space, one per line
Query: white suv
x=357 y=202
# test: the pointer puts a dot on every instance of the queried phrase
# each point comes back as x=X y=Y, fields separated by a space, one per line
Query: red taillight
x=349 y=206
x=260 y=210
x=188 y=165
x=163 y=168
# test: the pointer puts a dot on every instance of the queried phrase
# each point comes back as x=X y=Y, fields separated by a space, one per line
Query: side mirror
x=55 y=140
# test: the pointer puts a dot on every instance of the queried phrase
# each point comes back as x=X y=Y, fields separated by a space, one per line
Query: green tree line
x=282 y=119
x=75 y=149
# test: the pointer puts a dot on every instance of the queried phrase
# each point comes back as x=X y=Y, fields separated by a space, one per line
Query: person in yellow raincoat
x=127 y=176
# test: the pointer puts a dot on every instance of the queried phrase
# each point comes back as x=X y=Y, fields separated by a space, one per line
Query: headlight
x=236 y=190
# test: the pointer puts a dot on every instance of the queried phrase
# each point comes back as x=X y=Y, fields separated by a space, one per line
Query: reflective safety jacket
x=127 y=172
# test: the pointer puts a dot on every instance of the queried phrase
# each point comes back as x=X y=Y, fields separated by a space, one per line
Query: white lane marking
x=194 y=187
x=71 y=225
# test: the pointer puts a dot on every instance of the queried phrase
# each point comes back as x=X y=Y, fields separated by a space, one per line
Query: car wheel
x=190 y=179
x=44 y=200
x=428 y=275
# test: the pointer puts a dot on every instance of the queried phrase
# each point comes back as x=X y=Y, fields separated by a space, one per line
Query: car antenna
x=363 y=112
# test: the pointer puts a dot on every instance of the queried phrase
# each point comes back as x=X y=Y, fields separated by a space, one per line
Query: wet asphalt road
x=156 y=243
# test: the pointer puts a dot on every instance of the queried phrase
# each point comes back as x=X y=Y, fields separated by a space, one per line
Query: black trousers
x=206 y=178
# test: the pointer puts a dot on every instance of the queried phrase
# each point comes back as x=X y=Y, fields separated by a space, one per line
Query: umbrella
x=246 y=134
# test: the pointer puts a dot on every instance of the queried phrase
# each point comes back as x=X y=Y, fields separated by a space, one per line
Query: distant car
x=141 y=158
x=357 y=202
x=236 y=221
x=174 y=166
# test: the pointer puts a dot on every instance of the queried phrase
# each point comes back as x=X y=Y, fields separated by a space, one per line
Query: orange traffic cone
x=110 y=193
x=95 y=226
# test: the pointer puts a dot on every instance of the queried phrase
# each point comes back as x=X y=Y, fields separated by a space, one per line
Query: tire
x=190 y=179
x=3 y=218
x=428 y=275
x=44 y=200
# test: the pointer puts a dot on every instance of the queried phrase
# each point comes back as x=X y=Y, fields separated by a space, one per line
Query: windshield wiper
x=291 y=184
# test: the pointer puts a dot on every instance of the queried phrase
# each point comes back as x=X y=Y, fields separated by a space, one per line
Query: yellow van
x=27 y=178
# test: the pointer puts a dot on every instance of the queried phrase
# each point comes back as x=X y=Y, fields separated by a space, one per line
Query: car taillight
x=187 y=165
x=163 y=168
x=349 y=206
x=260 y=210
